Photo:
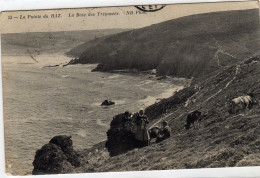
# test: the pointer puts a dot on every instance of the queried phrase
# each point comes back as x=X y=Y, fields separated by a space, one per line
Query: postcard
x=131 y=88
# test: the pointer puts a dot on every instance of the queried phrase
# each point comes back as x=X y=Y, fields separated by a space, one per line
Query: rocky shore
x=214 y=50
x=221 y=140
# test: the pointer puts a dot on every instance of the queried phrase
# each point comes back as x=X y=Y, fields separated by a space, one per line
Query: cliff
x=214 y=48
x=221 y=139
x=191 y=46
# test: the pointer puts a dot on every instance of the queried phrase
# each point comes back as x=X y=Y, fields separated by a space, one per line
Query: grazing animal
x=240 y=103
x=154 y=132
x=192 y=117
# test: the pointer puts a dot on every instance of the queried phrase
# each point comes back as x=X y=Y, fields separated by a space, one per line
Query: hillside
x=49 y=42
x=78 y=50
x=221 y=139
x=217 y=50
x=189 y=46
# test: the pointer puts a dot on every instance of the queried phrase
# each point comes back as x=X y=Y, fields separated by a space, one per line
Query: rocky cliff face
x=214 y=48
x=191 y=46
x=220 y=140
x=120 y=140
x=56 y=157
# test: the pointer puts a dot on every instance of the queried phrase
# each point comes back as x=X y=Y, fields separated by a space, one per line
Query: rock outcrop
x=50 y=159
x=58 y=156
x=119 y=140
x=107 y=103
x=65 y=143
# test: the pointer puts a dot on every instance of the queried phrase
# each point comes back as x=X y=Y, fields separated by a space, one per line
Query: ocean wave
x=64 y=76
x=149 y=100
x=81 y=133
x=114 y=76
x=119 y=102
x=100 y=123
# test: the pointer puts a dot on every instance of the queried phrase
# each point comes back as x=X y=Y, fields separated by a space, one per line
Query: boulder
x=56 y=156
x=65 y=143
x=107 y=103
x=119 y=140
x=49 y=160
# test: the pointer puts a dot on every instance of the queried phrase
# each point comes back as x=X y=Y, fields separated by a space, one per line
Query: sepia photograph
x=131 y=88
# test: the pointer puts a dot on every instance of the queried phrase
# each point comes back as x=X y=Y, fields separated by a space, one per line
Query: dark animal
x=192 y=117
x=240 y=103
x=107 y=103
x=154 y=132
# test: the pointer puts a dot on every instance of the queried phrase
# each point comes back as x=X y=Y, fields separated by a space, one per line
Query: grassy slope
x=221 y=140
x=78 y=50
x=185 y=47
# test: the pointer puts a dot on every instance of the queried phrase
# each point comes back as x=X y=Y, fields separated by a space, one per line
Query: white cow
x=240 y=103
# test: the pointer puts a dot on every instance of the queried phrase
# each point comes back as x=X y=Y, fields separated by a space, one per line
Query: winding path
x=209 y=98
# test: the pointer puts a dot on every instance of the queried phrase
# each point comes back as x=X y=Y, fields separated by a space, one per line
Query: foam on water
x=81 y=133
x=149 y=100
x=119 y=102
x=100 y=123
x=115 y=76
x=65 y=76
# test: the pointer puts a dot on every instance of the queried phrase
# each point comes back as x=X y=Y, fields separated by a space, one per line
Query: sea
x=42 y=102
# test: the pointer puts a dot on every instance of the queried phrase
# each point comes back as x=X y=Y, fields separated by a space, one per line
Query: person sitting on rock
x=142 y=132
x=164 y=133
x=128 y=115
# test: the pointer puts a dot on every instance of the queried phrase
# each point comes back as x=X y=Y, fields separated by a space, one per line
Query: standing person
x=142 y=132
x=128 y=123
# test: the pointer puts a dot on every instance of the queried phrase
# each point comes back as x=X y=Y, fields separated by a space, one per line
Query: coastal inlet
x=40 y=103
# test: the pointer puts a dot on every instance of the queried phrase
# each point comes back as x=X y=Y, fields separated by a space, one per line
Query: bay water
x=42 y=102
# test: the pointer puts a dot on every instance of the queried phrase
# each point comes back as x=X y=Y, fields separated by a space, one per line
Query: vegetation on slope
x=214 y=48
x=191 y=46
x=221 y=139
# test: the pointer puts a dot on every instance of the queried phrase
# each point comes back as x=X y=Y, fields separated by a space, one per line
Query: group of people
x=138 y=125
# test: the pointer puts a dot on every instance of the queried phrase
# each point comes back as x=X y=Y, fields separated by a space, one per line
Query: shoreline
x=173 y=91
x=143 y=76
x=149 y=100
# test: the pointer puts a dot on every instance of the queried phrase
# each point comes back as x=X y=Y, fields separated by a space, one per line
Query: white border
x=6 y=5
